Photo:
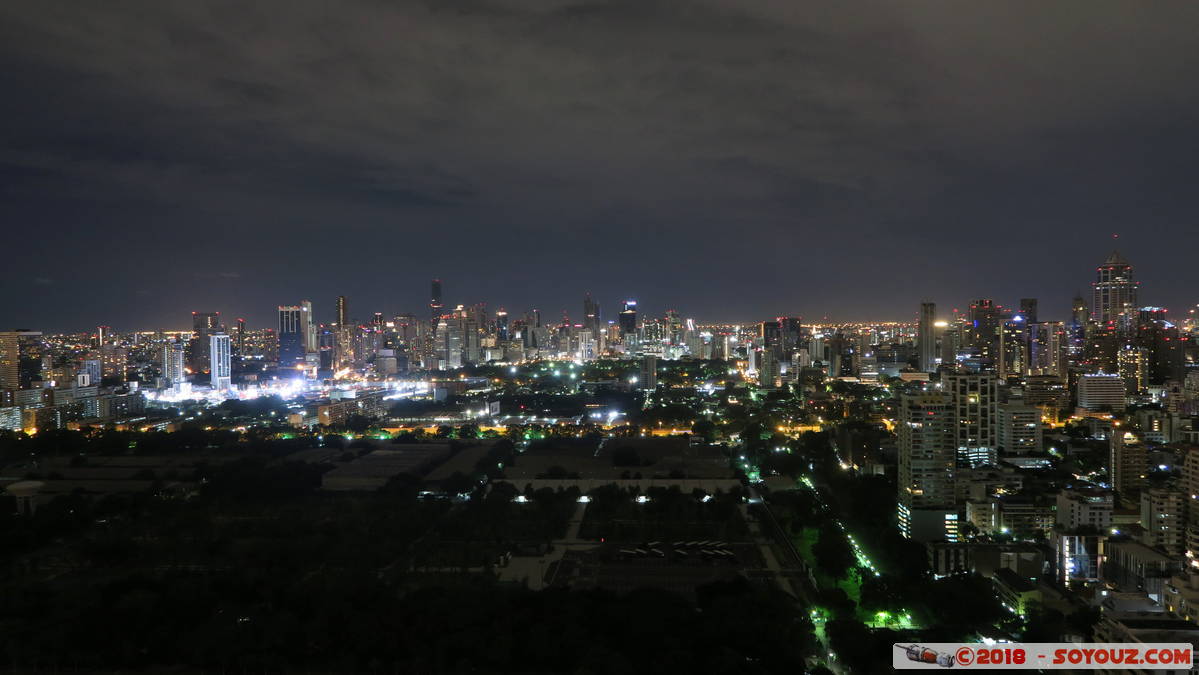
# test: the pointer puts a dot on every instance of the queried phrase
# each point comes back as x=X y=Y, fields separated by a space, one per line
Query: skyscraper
x=926 y=337
x=21 y=353
x=241 y=338
x=343 y=311
x=649 y=373
x=291 y=336
x=435 y=304
x=501 y=324
x=171 y=364
x=1114 y=292
x=308 y=326
x=927 y=467
x=220 y=350
x=974 y=397
x=204 y=324
x=591 y=315
x=628 y=319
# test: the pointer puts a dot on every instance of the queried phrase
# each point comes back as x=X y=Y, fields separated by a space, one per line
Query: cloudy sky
x=732 y=159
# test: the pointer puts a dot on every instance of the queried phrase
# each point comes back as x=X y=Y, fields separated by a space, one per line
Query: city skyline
x=747 y=157
x=327 y=310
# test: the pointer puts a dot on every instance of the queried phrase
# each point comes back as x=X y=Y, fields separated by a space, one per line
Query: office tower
x=649 y=373
x=241 y=338
x=926 y=337
x=291 y=336
x=591 y=315
x=1047 y=349
x=103 y=335
x=975 y=397
x=435 y=304
x=628 y=319
x=768 y=368
x=1018 y=429
x=171 y=364
x=343 y=311
x=220 y=349
x=377 y=320
x=1133 y=365
x=1163 y=343
x=1028 y=309
x=1101 y=392
x=770 y=335
x=501 y=324
x=308 y=327
x=21 y=355
x=204 y=324
x=985 y=320
x=1011 y=354
x=1114 y=293
x=927 y=467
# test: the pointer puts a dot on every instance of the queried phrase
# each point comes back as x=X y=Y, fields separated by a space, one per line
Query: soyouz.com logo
x=1042 y=656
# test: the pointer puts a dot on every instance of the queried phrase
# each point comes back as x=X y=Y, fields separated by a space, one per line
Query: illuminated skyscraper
x=628 y=319
x=343 y=311
x=171 y=364
x=204 y=324
x=927 y=337
x=501 y=324
x=591 y=315
x=220 y=349
x=240 y=345
x=291 y=336
x=21 y=353
x=1114 y=293
x=975 y=397
x=927 y=467
x=308 y=327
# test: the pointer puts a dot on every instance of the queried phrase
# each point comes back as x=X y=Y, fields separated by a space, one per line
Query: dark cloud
x=730 y=159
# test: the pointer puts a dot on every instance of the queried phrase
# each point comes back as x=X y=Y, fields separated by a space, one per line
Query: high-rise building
x=204 y=324
x=1128 y=464
x=591 y=315
x=975 y=397
x=171 y=364
x=1114 y=293
x=1028 y=309
x=649 y=373
x=435 y=303
x=926 y=337
x=1018 y=428
x=291 y=336
x=985 y=317
x=21 y=356
x=1047 y=349
x=308 y=326
x=628 y=320
x=768 y=368
x=240 y=345
x=1101 y=392
x=220 y=349
x=103 y=335
x=1163 y=518
x=343 y=311
x=927 y=507
x=501 y=324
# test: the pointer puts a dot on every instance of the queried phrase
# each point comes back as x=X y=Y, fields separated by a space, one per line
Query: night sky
x=732 y=159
